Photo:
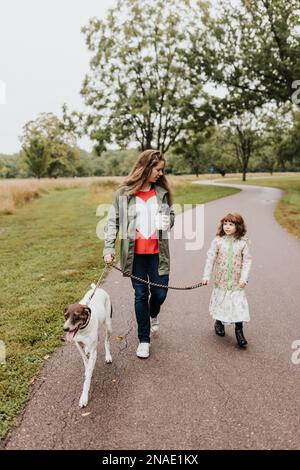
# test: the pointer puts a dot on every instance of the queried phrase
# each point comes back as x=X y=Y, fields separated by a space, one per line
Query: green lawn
x=48 y=253
x=288 y=209
x=198 y=194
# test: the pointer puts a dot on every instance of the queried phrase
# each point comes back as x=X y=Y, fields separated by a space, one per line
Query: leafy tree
x=252 y=48
x=84 y=164
x=139 y=86
x=176 y=164
x=37 y=156
x=269 y=158
x=45 y=140
x=9 y=166
x=219 y=154
x=243 y=131
x=111 y=162
x=191 y=148
x=208 y=151
x=276 y=126
x=289 y=146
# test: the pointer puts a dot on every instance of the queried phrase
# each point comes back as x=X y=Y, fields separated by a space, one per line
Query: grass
x=48 y=252
x=15 y=193
x=198 y=194
x=287 y=212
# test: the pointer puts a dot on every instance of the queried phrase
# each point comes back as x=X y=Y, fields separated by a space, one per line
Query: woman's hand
x=162 y=222
x=205 y=282
x=242 y=284
x=165 y=222
x=108 y=259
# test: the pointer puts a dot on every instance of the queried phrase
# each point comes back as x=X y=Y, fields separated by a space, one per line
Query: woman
x=142 y=212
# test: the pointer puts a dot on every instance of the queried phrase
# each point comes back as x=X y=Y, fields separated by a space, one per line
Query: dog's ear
x=66 y=308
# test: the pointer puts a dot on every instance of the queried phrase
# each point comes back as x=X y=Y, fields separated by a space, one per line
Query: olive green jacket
x=122 y=218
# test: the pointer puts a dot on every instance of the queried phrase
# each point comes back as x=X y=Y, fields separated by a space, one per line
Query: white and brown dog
x=82 y=325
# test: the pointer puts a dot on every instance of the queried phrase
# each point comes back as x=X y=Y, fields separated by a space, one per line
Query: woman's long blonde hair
x=141 y=171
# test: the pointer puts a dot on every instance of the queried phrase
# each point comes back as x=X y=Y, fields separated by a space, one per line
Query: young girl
x=230 y=258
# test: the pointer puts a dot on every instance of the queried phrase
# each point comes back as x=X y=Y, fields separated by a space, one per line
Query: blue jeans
x=148 y=299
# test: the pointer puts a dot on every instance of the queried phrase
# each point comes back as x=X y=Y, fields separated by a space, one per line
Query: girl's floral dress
x=230 y=260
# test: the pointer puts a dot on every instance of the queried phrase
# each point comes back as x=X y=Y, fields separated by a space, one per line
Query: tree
x=191 y=148
x=176 y=164
x=268 y=158
x=276 y=126
x=289 y=145
x=9 y=166
x=243 y=131
x=139 y=88
x=218 y=153
x=37 y=156
x=252 y=50
x=49 y=147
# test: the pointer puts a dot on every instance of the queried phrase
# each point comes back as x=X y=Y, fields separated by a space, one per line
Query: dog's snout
x=66 y=328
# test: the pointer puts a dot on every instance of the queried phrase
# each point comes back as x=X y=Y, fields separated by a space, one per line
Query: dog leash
x=98 y=284
x=154 y=284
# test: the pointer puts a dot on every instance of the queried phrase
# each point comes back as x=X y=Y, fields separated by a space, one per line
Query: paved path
x=196 y=391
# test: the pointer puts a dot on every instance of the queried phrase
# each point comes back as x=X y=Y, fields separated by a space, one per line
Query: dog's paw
x=83 y=401
x=108 y=359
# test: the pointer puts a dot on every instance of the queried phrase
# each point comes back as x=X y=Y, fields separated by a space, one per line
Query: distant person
x=230 y=258
x=142 y=212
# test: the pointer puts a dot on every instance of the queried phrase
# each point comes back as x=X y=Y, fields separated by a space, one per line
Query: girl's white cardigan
x=231 y=261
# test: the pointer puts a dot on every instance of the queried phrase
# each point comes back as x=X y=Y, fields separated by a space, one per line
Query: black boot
x=242 y=342
x=219 y=328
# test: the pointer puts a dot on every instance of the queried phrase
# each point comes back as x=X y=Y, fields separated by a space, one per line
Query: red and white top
x=146 y=239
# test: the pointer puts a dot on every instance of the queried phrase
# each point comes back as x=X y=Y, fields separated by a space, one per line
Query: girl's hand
x=204 y=282
x=108 y=259
x=242 y=284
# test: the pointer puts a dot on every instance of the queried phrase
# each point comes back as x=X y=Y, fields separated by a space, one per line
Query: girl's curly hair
x=237 y=220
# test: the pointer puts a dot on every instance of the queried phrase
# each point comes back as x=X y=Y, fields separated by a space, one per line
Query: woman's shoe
x=154 y=322
x=143 y=350
x=242 y=342
x=219 y=328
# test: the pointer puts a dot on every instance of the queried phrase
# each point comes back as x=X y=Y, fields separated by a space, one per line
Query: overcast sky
x=43 y=60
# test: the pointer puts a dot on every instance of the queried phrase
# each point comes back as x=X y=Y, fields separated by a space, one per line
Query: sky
x=43 y=60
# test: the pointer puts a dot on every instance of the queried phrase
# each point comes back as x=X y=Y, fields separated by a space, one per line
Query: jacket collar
x=160 y=191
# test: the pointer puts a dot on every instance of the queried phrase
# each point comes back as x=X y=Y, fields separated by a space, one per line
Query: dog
x=82 y=325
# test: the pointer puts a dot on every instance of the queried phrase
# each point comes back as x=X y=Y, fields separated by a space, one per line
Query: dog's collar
x=87 y=322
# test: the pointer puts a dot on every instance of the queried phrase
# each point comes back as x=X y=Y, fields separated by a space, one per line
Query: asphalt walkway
x=197 y=390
